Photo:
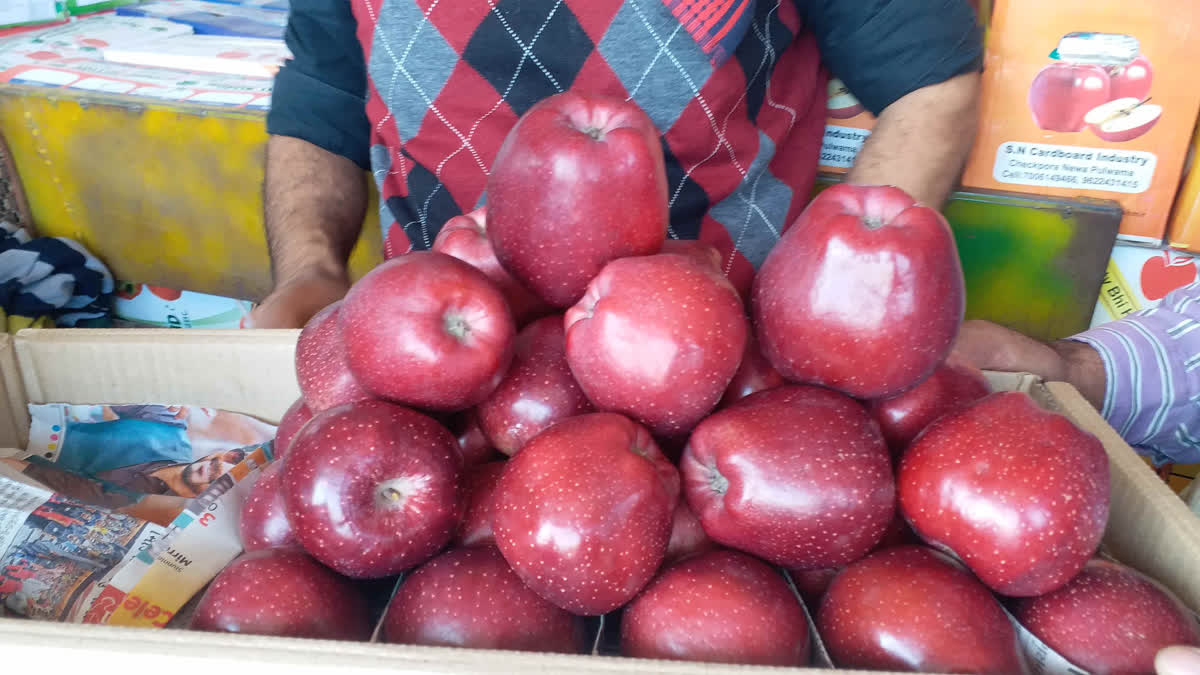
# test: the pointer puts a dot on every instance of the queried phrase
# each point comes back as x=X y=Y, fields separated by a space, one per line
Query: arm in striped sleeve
x=1152 y=367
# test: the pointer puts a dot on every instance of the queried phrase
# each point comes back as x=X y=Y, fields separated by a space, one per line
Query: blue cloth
x=52 y=277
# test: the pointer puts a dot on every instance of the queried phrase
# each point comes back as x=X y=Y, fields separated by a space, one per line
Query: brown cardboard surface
x=1149 y=527
x=251 y=372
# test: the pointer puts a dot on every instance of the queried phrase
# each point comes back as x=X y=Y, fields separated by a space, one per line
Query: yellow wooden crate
x=165 y=193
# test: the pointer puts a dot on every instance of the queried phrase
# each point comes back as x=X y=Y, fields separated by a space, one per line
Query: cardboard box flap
x=104 y=649
x=14 y=416
x=1149 y=527
x=250 y=372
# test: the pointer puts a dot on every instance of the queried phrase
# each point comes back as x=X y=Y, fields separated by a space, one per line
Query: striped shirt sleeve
x=1152 y=363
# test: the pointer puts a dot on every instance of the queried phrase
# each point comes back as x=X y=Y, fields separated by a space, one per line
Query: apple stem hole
x=456 y=325
x=718 y=483
x=872 y=223
x=595 y=132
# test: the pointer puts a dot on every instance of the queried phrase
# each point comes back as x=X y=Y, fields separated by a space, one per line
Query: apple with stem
x=372 y=488
x=552 y=216
x=428 y=330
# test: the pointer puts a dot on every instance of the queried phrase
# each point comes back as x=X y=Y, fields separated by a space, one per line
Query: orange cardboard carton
x=848 y=124
x=1090 y=98
x=1184 y=230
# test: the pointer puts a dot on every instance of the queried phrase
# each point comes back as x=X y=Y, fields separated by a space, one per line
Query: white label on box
x=1070 y=166
x=841 y=145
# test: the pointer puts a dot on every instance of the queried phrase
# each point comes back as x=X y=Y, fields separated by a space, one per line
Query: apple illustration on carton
x=842 y=104
x=1132 y=80
x=1163 y=274
x=1123 y=119
x=1063 y=94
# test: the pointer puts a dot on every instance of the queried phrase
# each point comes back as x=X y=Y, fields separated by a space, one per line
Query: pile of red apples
x=558 y=412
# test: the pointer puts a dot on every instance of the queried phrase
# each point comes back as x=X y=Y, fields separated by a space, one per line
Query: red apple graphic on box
x=1122 y=119
x=1062 y=94
x=1163 y=274
x=842 y=104
x=1132 y=80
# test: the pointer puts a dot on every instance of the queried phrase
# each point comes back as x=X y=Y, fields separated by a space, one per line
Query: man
x=423 y=93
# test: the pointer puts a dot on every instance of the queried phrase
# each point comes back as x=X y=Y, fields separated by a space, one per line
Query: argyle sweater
x=424 y=92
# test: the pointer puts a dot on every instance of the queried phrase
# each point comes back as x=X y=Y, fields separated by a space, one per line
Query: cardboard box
x=1139 y=278
x=1104 y=113
x=1184 y=230
x=252 y=371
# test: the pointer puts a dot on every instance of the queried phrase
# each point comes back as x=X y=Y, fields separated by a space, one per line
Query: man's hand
x=1178 y=660
x=293 y=303
x=315 y=204
x=991 y=346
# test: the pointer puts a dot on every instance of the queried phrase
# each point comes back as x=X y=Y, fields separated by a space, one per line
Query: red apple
x=1063 y=93
x=579 y=181
x=282 y=592
x=1132 y=80
x=699 y=251
x=863 y=293
x=842 y=104
x=538 y=390
x=475 y=447
x=479 y=503
x=952 y=385
x=325 y=378
x=469 y=597
x=465 y=237
x=687 y=535
x=721 y=606
x=1123 y=119
x=264 y=516
x=657 y=338
x=292 y=421
x=1109 y=619
x=755 y=374
x=583 y=512
x=799 y=476
x=428 y=330
x=1025 y=508
x=372 y=488
x=909 y=608
x=1161 y=275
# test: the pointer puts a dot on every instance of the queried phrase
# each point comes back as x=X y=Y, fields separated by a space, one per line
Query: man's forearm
x=921 y=142
x=315 y=203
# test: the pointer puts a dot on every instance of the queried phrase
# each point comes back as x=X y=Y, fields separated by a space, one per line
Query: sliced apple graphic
x=1123 y=119
x=842 y=104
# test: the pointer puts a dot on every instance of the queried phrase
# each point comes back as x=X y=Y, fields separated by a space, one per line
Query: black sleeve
x=320 y=94
x=884 y=49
